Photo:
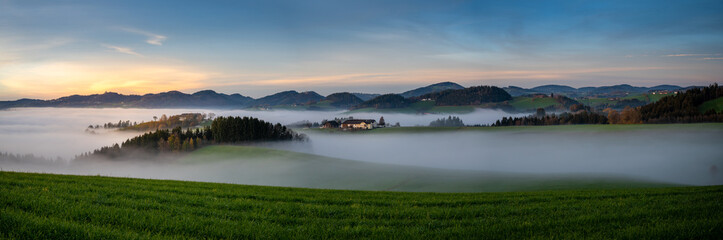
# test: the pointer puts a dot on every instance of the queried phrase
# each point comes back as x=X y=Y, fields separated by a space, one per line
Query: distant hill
x=468 y=96
x=437 y=87
x=444 y=94
x=171 y=99
x=366 y=96
x=343 y=100
x=288 y=98
x=206 y=98
x=386 y=101
x=603 y=91
x=554 y=89
x=518 y=91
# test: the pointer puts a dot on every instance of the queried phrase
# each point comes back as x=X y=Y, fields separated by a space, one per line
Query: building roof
x=358 y=121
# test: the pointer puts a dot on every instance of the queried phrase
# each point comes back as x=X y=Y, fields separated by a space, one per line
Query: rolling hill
x=437 y=87
x=366 y=96
x=386 y=101
x=343 y=100
x=621 y=90
x=468 y=96
x=171 y=99
x=288 y=98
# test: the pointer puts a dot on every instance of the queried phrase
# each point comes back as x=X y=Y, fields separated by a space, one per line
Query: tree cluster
x=450 y=121
x=238 y=129
x=304 y=124
x=468 y=96
x=159 y=141
x=222 y=130
x=583 y=117
x=25 y=158
x=185 y=120
x=120 y=124
x=626 y=116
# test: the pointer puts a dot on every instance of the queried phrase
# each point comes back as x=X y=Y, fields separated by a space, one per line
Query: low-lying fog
x=59 y=132
x=677 y=155
x=669 y=155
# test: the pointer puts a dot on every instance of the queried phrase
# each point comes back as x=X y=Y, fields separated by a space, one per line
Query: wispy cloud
x=122 y=50
x=713 y=58
x=154 y=39
x=691 y=55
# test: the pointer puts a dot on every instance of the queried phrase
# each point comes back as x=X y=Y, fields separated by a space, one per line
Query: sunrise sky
x=50 y=49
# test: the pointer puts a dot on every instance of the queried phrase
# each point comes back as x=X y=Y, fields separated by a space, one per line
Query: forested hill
x=288 y=98
x=223 y=130
x=437 y=87
x=386 y=101
x=620 y=90
x=684 y=107
x=468 y=96
x=693 y=106
x=343 y=100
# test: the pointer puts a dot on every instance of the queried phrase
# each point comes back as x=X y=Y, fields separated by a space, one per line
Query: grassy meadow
x=715 y=104
x=45 y=206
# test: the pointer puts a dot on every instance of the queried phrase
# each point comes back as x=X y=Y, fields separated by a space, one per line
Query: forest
x=582 y=117
x=223 y=130
x=386 y=101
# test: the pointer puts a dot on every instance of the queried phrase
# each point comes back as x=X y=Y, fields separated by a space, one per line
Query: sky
x=50 y=49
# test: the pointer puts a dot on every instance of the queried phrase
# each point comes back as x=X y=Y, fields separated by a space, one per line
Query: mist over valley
x=467 y=159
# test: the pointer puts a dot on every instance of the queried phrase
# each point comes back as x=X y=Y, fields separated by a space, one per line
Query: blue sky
x=50 y=49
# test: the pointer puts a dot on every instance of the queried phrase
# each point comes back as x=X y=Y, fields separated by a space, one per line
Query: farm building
x=331 y=124
x=358 y=124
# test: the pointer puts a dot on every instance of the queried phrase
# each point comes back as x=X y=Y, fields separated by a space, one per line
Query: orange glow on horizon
x=54 y=80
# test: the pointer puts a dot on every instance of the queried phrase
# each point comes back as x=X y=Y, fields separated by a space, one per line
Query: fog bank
x=59 y=132
x=681 y=155
x=667 y=154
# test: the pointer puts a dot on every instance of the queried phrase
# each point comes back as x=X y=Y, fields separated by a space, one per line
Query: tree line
x=582 y=117
x=450 y=121
x=222 y=130
x=184 y=120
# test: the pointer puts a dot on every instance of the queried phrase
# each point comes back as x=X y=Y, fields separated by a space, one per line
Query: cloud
x=713 y=58
x=154 y=39
x=691 y=55
x=122 y=50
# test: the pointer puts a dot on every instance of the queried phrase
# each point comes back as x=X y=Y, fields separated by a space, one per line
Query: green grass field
x=44 y=206
x=530 y=104
x=649 y=98
x=716 y=104
x=263 y=166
